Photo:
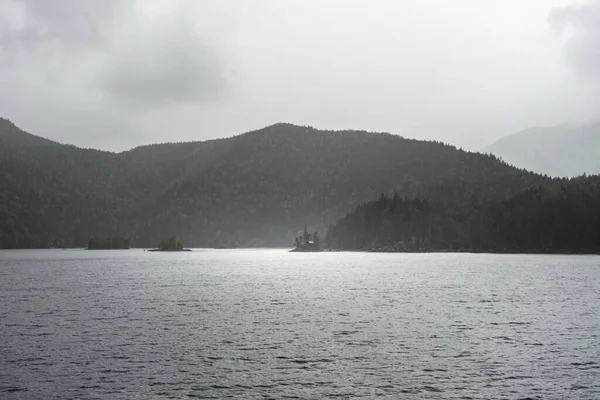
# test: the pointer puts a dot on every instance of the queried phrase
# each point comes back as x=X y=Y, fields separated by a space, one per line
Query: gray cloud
x=39 y=22
x=581 y=24
x=144 y=62
x=165 y=66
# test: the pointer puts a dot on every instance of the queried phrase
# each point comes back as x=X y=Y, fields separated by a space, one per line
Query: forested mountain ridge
x=283 y=177
x=11 y=136
x=256 y=188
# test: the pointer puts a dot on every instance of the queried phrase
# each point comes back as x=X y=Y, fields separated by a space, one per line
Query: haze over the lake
x=114 y=74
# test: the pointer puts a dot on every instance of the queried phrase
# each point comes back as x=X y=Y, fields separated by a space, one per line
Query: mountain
x=255 y=189
x=563 y=151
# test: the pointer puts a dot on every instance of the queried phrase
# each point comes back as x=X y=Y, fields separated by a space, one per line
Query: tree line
x=566 y=220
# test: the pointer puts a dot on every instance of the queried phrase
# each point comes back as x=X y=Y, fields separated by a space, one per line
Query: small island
x=108 y=243
x=308 y=242
x=170 y=244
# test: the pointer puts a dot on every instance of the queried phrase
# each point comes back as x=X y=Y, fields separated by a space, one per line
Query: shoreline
x=470 y=251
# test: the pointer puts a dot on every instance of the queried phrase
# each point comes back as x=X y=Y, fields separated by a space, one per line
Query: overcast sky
x=114 y=74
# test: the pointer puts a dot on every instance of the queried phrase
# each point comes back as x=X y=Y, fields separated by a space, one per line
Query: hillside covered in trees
x=254 y=189
x=565 y=220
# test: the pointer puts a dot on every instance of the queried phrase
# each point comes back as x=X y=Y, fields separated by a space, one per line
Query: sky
x=115 y=74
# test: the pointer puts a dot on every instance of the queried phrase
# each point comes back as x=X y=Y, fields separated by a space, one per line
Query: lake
x=272 y=324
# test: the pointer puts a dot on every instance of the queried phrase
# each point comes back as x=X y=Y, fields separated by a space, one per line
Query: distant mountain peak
x=562 y=150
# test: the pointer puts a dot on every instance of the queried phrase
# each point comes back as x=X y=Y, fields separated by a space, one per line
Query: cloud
x=581 y=25
x=29 y=24
x=142 y=56
x=171 y=64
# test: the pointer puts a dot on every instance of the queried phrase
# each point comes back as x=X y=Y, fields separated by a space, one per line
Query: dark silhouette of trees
x=170 y=244
x=535 y=220
x=308 y=241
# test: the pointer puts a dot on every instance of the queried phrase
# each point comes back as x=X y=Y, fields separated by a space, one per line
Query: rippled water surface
x=273 y=324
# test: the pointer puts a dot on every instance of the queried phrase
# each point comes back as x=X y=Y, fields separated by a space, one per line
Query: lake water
x=272 y=324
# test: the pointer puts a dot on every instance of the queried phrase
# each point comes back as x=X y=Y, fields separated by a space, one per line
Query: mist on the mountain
x=563 y=151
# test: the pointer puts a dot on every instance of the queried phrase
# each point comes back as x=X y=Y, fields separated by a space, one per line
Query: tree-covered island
x=308 y=242
x=170 y=244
